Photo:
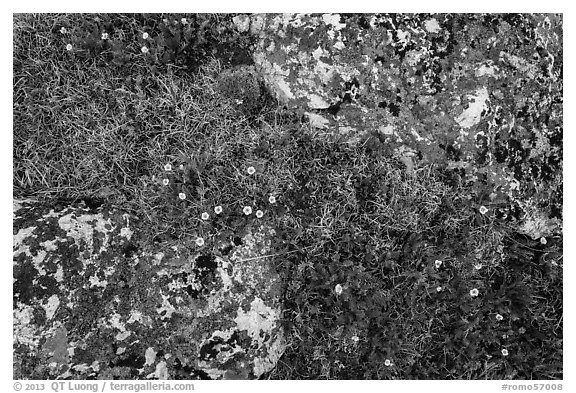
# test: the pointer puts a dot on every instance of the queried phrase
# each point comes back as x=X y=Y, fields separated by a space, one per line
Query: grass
x=89 y=126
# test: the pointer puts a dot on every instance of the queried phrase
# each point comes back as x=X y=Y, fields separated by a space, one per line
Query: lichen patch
x=472 y=115
x=258 y=321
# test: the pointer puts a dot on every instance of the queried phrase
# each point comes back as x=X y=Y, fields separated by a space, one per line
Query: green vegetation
x=406 y=249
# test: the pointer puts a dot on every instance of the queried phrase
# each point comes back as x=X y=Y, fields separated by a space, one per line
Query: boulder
x=92 y=299
x=477 y=94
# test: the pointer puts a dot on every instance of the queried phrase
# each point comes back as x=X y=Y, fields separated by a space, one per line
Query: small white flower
x=165 y=182
x=144 y=49
x=247 y=210
x=483 y=210
x=474 y=292
x=338 y=289
x=205 y=216
x=218 y=209
x=63 y=30
x=437 y=263
x=145 y=36
x=504 y=352
x=272 y=199
x=104 y=36
x=251 y=170
x=184 y=21
x=543 y=240
x=181 y=167
x=167 y=167
x=355 y=338
x=69 y=47
x=499 y=317
x=199 y=242
x=387 y=362
x=182 y=196
x=259 y=213
x=478 y=266
x=438 y=289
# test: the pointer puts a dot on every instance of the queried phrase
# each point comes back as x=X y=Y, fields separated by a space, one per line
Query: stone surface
x=91 y=302
x=477 y=94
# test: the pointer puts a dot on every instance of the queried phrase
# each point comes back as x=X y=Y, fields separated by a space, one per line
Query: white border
x=303 y=6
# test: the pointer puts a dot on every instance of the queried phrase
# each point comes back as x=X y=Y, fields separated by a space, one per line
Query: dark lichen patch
x=225 y=250
x=129 y=249
x=216 y=345
x=131 y=361
x=185 y=372
x=206 y=262
x=24 y=275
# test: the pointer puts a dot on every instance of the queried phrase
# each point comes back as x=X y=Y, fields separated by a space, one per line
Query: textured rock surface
x=88 y=303
x=480 y=95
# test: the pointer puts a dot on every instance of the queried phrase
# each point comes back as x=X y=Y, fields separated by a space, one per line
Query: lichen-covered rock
x=91 y=300
x=477 y=94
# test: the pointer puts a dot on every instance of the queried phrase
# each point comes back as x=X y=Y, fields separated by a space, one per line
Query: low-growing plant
x=389 y=274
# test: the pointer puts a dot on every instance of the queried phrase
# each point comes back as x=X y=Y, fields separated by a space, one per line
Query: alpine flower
x=63 y=30
x=218 y=209
x=182 y=196
x=205 y=216
x=499 y=317
x=338 y=289
x=251 y=170
x=104 y=36
x=272 y=199
x=438 y=263
x=69 y=47
x=165 y=182
x=387 y=363
x=144 y=49
x=474 y=292
x=247 y=210
x=145 y=36
x=259 y=213
x=199 y=242
x=167 y=167
x=504 y=352
x=483 y=210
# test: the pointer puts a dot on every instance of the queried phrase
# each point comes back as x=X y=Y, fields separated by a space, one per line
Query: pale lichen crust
x=90 y=302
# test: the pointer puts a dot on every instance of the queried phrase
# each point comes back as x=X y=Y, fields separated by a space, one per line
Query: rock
x=481 y=92
x=242 y=23
x=536 y=224
x=93 y=300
